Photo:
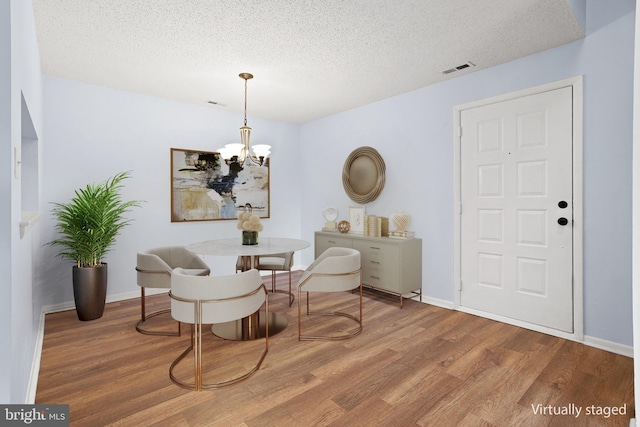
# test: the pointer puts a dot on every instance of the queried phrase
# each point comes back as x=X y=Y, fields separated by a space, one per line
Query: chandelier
x=240 y=152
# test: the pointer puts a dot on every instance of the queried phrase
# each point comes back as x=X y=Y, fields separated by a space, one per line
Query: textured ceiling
x=310 y=58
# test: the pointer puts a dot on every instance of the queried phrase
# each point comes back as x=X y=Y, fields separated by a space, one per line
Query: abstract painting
x=206 y=187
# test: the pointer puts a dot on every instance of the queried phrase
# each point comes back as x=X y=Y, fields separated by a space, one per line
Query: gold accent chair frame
x=196 y=342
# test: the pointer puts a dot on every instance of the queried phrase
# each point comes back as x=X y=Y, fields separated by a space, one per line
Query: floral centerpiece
x=250 y=225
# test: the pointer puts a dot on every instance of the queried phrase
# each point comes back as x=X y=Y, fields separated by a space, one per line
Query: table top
x=234 y=246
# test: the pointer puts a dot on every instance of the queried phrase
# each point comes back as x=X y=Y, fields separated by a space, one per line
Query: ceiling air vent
x=459 y=67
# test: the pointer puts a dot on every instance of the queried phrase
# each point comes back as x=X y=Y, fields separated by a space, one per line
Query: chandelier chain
x=245 y=102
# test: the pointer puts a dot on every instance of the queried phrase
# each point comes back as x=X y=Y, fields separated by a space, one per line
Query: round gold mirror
x=363 y=174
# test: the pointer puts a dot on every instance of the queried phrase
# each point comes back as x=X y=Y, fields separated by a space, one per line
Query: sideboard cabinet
x=390 y=265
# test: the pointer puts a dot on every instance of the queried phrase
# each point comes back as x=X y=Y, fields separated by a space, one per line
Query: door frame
x=576 y=83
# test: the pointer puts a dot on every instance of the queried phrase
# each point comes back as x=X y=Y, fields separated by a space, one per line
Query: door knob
x=562 y=204
x=563 y=221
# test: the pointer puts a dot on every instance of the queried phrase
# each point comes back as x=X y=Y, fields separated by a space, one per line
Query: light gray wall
x=5 y=208
x=94 y=132
x=579 y=8
x=20 y=310
x=636 y=215
x=414 y=134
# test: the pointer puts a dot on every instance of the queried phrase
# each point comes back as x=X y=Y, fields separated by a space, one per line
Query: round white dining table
x=251 y=327
x=234 y=247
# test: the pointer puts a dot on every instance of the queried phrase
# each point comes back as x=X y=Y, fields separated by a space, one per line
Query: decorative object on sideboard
x=400 y=221
x=383 y=226
x=376 y=226
x=344 y=226
x=363 y=175
x=250 y=226
x=356 y=219
x=204 y=187
x=330 y=214
x=241 y=152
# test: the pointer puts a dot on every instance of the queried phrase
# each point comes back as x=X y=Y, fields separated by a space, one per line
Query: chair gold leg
x=196 y=347
x=273 y=280
x=142 y=303
x=197 y=351
x=329 y=313
x=174 y=379
x=274 y=289
x=144 y=317
x=290 y=293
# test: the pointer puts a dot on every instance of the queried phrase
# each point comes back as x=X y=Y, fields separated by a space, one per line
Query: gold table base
x=250 y=328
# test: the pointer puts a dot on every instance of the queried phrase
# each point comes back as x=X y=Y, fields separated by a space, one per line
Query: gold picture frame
x=356 y=219
x=206 y=187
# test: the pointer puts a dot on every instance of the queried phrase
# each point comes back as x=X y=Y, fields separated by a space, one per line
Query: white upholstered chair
x=273 y=263
x=335 y=270
x=211 y=300
x=154 y=268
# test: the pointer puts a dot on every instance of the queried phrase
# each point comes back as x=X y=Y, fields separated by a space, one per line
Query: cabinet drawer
x=380 y=264
x=323 y=243
x=377 y=253
x=382 y=279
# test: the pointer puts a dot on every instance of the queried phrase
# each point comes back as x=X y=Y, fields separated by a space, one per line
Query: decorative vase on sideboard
x=400 y=220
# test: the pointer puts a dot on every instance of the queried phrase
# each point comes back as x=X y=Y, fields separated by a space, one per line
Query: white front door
x=516 y=209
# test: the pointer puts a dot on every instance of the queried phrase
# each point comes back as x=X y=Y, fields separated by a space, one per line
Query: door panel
x=516 y=166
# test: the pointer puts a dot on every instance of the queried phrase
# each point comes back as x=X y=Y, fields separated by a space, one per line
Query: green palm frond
x=90 y=222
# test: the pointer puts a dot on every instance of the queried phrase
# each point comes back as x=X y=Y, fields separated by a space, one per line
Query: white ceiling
x=310 y=58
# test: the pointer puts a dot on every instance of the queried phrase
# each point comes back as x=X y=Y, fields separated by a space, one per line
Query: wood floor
x=417 y=366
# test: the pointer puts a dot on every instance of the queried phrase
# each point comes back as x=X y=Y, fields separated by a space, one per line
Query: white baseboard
x=32 y=387
x=70 y=305
x=55 y=308
x=610 y=346
x=437 y=302
x=613 y=347
x=624 y=350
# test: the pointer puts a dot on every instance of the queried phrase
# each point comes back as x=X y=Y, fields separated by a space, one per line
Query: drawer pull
x=375 y=277
x=374 y=262
x=373 y=247
x=331 y=241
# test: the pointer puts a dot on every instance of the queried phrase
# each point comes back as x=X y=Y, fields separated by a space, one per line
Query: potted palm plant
x=88 y=225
